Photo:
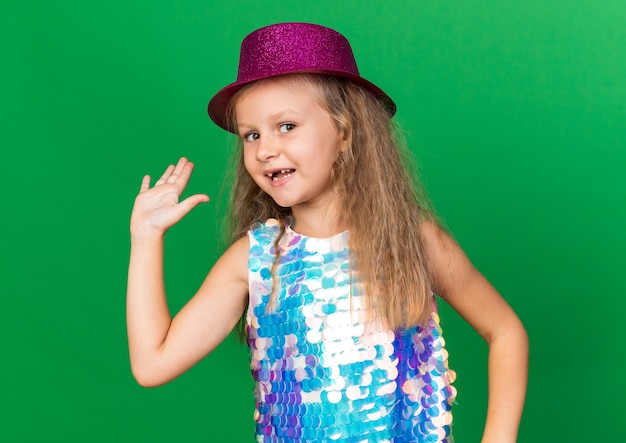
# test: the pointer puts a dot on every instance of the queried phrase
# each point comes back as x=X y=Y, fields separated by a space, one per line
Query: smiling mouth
x=280 y=174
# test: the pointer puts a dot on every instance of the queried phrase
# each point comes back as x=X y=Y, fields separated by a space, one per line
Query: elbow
x=147 y=377
x=514 y=338
x=521 y=335
x=146 y=382
x=512 y=333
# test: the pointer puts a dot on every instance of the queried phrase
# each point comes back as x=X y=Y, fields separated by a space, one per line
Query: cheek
x=249 y=162
x=333 y=153
x=253 y=171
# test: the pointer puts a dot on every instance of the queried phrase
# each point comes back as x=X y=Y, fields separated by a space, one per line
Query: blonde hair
x=381 y=201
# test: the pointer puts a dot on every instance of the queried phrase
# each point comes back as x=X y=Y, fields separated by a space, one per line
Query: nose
x=267 y=148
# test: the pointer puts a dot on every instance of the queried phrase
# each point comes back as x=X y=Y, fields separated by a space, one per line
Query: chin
x=284 y=203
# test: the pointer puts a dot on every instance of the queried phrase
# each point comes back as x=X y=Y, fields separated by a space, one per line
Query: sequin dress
x=321 y=373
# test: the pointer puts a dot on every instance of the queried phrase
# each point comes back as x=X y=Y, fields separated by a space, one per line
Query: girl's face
x=290 y=142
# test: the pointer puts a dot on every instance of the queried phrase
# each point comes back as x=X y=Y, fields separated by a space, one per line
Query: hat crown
x=290 y=47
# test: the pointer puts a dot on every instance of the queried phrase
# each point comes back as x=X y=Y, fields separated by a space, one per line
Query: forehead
x=285 y=88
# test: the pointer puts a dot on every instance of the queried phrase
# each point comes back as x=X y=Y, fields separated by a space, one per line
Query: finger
x=189 y=203
x=180 y=166
x=166 y=175
x=145 y=183
x=185 y=174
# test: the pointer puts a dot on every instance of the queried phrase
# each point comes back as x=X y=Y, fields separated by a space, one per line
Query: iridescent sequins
x=321 y=372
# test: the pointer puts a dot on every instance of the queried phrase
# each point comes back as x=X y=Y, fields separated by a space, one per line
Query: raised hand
x=158 y=208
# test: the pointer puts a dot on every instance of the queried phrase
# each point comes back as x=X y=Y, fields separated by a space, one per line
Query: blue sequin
x=322 y=374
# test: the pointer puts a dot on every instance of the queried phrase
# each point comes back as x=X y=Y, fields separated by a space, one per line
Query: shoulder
x=238 y=246
x=449 y=265
x=436 y=241
x=235 y=258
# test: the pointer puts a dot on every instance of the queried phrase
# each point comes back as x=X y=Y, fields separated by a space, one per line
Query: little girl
x=333 y=266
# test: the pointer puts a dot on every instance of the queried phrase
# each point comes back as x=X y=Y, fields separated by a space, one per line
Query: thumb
x=192 y=201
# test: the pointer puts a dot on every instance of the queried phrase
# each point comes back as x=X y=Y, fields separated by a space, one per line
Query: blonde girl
x=333 y=267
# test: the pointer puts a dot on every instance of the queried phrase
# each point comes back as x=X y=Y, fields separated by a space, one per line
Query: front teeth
x=274 y=175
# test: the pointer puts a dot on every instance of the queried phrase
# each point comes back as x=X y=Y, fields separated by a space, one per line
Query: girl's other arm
x=478 y=302
x=162 y=348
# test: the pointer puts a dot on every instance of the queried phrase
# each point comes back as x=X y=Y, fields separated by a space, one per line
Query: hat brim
x=220 y=102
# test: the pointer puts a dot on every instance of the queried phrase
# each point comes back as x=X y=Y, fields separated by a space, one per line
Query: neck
x=317 y=223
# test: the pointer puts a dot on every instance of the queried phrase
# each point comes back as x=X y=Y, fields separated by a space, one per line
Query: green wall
x=516 y=111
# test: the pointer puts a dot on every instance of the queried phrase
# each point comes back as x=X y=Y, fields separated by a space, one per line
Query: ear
x=343 y=146
x=344 y=142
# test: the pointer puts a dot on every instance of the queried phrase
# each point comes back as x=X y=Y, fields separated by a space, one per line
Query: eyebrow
x=281 y=113
x=276 y=116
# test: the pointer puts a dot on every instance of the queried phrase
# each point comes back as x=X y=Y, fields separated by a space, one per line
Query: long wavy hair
x=375 y=183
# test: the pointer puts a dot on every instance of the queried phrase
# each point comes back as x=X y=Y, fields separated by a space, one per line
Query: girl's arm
x=162 y=348
x=473 y=297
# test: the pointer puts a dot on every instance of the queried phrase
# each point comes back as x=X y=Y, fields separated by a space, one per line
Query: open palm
x=158 y=208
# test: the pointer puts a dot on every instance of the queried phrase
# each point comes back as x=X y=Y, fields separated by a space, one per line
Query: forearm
x=148 y=317
x=508 y=375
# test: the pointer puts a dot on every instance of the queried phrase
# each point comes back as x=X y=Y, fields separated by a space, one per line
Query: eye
x=286 y=127
x=250 y=137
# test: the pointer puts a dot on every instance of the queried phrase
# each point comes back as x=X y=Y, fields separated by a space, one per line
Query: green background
x=515 y=110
